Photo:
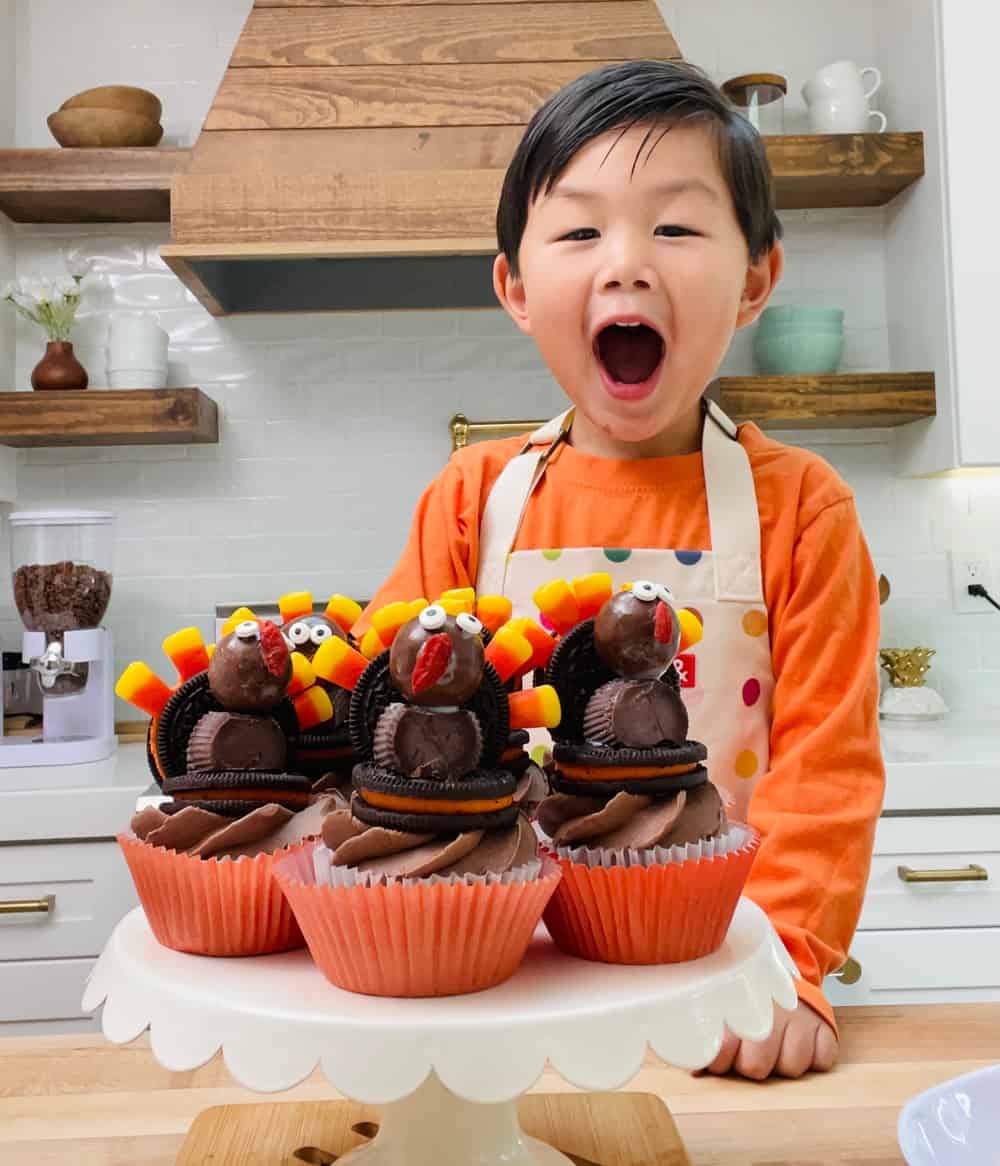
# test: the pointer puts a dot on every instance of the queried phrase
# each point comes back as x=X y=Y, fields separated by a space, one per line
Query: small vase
x=59 y=368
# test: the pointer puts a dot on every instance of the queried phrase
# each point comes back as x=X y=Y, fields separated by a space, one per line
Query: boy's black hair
x=660 y=93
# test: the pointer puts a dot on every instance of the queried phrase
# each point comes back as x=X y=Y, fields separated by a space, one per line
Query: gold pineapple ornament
x=909 y=697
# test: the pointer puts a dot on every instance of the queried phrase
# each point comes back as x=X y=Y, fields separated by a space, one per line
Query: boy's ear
x=762 y=278
x=510 y=293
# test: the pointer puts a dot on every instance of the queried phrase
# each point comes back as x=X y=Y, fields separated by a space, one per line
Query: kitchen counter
x=42 y=803
x=79 y=1100
x=951 y=764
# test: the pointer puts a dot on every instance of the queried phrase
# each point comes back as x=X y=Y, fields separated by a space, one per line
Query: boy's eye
x=580 y=234
x=672 y=231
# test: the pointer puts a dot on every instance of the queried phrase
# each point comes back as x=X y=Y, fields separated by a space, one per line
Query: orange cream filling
x=622 y=772
x=512 y=754
x=430 y=806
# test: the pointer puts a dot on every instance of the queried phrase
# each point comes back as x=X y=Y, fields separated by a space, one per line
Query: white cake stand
x=446 y=1071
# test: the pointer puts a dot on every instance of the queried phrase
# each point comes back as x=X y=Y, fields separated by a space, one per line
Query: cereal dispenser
x=61 y=574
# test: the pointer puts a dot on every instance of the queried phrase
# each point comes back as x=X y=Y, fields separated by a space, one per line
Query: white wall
x=331 y=424
x=8 y=61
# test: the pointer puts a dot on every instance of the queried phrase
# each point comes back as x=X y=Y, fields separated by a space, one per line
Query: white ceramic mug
x=137 y=353
x=838 y=100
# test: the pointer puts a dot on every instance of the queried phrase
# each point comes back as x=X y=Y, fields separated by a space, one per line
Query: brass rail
x=462 y=428
x=28 y=906
x=973 y=873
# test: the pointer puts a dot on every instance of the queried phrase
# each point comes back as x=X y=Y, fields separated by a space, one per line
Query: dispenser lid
x=61 y=518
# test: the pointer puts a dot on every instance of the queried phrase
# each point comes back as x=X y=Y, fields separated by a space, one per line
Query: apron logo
x=685 y=666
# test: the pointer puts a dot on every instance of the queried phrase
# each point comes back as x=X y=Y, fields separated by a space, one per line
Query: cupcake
x=652 y=869
x=202 y=863
x=205 y=880
x=430 y=883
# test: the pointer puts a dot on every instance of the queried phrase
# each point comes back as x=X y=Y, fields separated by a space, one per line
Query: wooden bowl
x=124 y=97
x=103 y=128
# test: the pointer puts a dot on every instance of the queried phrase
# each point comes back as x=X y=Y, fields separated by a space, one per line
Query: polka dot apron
x=726 y=679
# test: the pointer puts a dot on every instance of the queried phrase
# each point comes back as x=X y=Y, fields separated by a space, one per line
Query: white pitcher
x=838 y=100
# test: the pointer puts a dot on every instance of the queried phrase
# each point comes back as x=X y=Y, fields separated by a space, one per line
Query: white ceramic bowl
x=956 y=1123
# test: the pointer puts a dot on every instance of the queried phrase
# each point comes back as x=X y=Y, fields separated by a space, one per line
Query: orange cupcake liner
x=655 y=914
x=420 y=937
x=217 y=907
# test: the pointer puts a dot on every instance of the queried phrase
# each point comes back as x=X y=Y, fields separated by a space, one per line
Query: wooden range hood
x=354 y=152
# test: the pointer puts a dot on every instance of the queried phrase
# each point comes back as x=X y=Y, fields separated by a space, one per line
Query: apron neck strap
x=729 y=486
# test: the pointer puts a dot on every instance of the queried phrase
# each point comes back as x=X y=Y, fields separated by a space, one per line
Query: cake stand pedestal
x=445 y=1073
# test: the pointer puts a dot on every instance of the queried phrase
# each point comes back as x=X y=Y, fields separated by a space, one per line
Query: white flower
x=78 y=267
x=38 y=291
x=65 y=285
x=8 y=289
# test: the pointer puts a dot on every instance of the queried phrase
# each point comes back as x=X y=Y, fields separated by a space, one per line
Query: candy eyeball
x=320 y=633
x=298 y=633
x=468 y=623
x=249 y=629
x=663 y=592
x=432 y=618
x=645 y=590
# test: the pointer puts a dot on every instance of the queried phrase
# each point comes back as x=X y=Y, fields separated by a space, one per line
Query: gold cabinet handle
x=28 y=906
x=850 y=973
x=973 y=873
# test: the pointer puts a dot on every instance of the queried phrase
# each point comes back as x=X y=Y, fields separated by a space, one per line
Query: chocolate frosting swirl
x=634 y=821
x=203 y=834
x=397 y=854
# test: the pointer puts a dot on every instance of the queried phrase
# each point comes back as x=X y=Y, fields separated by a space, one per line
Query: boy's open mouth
x=630 y=353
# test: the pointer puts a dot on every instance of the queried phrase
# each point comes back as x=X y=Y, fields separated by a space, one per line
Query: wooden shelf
x=89 y=186
x=108 y=417
x=133 y=185
x=838 y=401
x=843 y=170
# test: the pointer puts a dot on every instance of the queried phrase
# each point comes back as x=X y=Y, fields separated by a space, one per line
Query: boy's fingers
x=798 y=1046
x=756 y=1059
x=827 y=1047
x=724 y=1059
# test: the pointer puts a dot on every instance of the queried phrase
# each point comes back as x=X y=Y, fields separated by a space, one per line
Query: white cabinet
x=72 y=894
x=942 y=251
x=930 y=926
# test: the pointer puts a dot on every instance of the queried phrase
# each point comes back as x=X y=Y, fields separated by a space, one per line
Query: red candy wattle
x=431 y=662
x=664 y=629
x=273 y=647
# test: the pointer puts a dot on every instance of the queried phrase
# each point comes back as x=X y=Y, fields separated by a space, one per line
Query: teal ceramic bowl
x=800 y=314
x=798 y=352
x=788 y=327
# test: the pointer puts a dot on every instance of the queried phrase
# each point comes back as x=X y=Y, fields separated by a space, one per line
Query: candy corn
x=458 y=599
x=493 y=611
x=556 y=601
x=186 y=650
x=371 y=644
x=140 y=686
x=542 y=644
x=691 y=629
x=508 y=651
x=389 y=619
x=338 y=663
x=535 y=708
x=590 y=592
x=303 y=674
x=344 y=612
x=238 y=616
x=294 y=605
x=313 y=706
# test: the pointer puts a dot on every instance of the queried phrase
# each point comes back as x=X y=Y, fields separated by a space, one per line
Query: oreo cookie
x=603 y=757
x=316 y=753
x=185 y=708
x=246 y=791
x=375 y=691
x=480 y=786
x=653 y=786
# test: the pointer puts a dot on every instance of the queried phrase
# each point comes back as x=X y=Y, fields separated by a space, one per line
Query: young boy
x=637 y=233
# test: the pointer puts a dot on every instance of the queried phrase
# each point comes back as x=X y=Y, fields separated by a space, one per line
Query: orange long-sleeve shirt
x=817 y=805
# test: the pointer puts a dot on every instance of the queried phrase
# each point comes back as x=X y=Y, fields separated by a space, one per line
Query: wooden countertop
x=79 y=1101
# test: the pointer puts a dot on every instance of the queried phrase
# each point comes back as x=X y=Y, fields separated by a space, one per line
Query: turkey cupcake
x=652 y=868
x=430 y=883
x=202 y=863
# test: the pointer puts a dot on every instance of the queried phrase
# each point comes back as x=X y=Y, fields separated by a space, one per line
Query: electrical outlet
x=968 y=568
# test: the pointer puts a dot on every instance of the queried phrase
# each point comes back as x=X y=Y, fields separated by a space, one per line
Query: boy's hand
x=800 y=1040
